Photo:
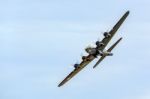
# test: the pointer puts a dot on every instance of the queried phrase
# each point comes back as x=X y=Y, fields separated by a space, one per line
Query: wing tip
x=62 y=83
x=59 y=85
x=127 y=13
x=94 y=67
x=120 y=38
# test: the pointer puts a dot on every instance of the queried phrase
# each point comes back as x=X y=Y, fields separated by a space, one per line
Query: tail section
x=109 y=50
x=113 y=46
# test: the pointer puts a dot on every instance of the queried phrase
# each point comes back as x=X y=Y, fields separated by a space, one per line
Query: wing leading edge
x=114 y=30
x=76 y=70
x=112 y=33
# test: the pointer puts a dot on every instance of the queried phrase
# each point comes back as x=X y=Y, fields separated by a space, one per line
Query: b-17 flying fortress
x=99 y=50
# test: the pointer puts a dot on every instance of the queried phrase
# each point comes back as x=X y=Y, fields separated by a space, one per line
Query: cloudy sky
x=41 y=39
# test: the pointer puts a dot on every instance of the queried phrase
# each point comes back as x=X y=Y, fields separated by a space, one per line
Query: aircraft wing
x=76 y=70
x=106 y=40
x=109 y=50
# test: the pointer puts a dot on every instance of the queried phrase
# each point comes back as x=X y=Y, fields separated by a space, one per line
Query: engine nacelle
x=76 y=65
x=99 y=44
x=106 y=34
x=83 y=57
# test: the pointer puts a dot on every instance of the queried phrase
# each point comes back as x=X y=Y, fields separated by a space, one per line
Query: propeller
x=77 y=62
x=81 y=54
x=102 y=32
x=89 y=46
x=107 y=30
x=98 y=39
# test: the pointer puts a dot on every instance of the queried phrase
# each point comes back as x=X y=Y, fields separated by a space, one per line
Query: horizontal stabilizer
x=109 y=50
x=112 y=47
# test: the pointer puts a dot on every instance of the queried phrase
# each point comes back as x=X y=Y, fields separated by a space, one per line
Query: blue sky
x=41 y=39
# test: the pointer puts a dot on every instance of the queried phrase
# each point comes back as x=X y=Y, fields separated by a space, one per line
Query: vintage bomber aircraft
x=99 y=50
